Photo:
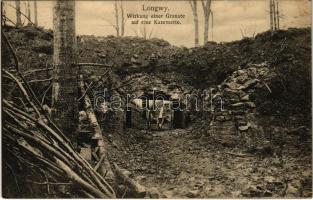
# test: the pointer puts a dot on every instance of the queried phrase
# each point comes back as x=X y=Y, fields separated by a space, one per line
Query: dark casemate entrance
x=179 y=117
x=128 y=118
x=155 y=110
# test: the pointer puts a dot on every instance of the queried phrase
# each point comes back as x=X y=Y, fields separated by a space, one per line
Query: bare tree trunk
x=28 y=13
x=193 y=4
x=212 y=24
x=277 y=13
x=206 y=5
x=18 y=13
x=206 y=29
x=35 y=13
x=117 y=26
x=274 y=15
x=271 y=15
x=3 y=17
x=65 y=80
x=122 y=19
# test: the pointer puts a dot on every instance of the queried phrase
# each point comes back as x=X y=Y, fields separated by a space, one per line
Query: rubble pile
x=239 y=90
x=237 y=116
x=241 y=119
x=279 y=86
x=286 y=54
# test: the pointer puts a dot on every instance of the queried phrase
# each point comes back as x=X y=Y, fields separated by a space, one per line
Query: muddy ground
x=180 y=164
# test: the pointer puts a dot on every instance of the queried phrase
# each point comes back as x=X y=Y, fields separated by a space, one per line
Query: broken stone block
x=250 y=83
x=228 y=118
x=225 y=118
x=233 y=85
x=240 y=117
x=229 y=91
x=242 y=123
x=235 y=94
x=232 y=101
x=168 y=194
x=252 y=71
x=243 y=128
x=238 y=112
x=245 y=98
x=250 y=104
x=239 y=104
x=220 y=118
x=241 y=71
x=242 y=78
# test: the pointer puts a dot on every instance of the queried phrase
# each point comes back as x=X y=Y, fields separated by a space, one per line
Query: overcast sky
x=231 y=18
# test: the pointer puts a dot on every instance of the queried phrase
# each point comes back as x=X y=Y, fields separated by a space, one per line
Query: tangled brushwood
x=36 y=152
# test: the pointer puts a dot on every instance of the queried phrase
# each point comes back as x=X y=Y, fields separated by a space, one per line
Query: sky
x=232 y=18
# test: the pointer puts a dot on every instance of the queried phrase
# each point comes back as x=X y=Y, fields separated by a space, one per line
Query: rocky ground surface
x=180 y=164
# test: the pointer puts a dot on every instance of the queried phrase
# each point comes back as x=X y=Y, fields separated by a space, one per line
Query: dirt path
x=176 y=164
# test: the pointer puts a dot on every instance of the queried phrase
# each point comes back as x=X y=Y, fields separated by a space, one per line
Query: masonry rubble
x=236 y=91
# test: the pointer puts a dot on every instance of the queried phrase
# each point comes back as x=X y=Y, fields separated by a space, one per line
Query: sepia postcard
x=168 y=99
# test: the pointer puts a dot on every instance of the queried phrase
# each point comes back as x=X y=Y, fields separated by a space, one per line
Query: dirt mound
x=287 y=52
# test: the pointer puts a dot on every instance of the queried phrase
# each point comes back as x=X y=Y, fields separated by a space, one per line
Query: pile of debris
x=237 y=116
x=287 y=53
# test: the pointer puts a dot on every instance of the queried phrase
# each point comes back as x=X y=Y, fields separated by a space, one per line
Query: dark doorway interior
x=179 y=119
x=128 y=118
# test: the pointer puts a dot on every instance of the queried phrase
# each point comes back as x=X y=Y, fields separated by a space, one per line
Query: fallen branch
x=38 y=141
x=101 y=143
x=9 y=20
x=45 y=92
x=85 y=92
x=27 y=73
x=40 y=80
x=47 y=183
x=267 y=87
x=135 y=188
x=91 y=84
x=100 y=162
x=31 y=92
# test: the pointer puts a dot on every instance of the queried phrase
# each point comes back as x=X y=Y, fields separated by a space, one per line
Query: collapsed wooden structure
x=32 y=142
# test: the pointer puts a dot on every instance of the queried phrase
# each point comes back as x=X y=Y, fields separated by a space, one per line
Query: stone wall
x=237 y=119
